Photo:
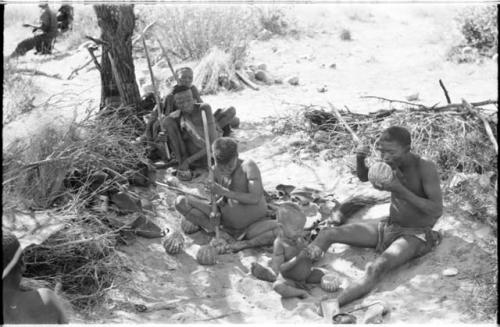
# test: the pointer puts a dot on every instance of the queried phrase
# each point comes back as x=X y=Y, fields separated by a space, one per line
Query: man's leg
x=287 y=289
x=261 y=233
x=363 y=234
x=196 y=211
x=398 y=253
x=175 y=139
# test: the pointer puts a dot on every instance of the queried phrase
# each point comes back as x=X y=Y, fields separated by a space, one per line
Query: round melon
x=174 y=243
x=220 y=245
x=380 y=173
x=330 y=283
x=188 y=227
x=207 y=255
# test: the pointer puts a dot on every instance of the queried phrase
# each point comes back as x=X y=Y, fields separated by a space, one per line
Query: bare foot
x=262 y=273
x=238 y=246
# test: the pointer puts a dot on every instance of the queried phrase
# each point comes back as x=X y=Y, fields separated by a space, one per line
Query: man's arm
x=433 y=204
x=211 y=134
x=361 y=170
x=255 y=188
x=45 y=21
x=285 y=266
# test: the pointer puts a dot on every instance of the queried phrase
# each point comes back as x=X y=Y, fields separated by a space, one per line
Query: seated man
x=241 y=206
x=416 y=205
x=184 y=128
x=41 y=42
x=41 y=306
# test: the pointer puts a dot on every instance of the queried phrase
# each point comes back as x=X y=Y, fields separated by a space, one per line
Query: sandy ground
x=394 y=52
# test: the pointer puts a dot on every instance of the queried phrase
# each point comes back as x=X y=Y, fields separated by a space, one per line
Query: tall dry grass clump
x=207 y=73
x=191 y=31
x=18 y=93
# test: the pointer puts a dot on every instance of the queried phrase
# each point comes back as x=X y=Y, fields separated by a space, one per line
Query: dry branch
x=246 y=81
x=36 y=72
x=445 y=92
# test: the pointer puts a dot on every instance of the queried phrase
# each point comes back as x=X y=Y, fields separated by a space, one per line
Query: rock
x=467 y=50
x=412 y=97
x=262 y=67
x=278 y=80
x=333 y=66
x=322 y=89
x=274 y=48
x=261 y=75
x=450 y=272
x=238 y=64
x=294 y=80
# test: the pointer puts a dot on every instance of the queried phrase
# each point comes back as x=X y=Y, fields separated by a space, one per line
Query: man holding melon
x=416 y=205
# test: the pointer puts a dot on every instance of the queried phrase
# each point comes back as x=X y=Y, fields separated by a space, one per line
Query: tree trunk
x=117 y=26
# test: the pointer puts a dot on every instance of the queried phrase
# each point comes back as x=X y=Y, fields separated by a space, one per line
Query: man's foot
x=262 y=273
x=238 y=246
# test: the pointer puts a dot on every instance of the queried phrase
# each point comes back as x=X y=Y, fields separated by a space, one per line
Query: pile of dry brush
x=65 y=170
x=459 y=138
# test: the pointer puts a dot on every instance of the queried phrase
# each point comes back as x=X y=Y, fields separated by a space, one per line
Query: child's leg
x=315 y=276
x=287 y=289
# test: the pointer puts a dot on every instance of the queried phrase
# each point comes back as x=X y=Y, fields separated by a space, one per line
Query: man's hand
x=363 y=149
x=394 y=185
x=218 y=189
x=314 y=252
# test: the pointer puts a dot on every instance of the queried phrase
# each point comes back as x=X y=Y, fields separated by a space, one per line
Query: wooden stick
x=337 y=113
x=449 y=106
x=246 y=81
x=117 y=78
x=91 y=51
x=445 y=91
x=157 y=95
x=168 y=61
x=134 y=41
x=210 y=171
x=487 y=126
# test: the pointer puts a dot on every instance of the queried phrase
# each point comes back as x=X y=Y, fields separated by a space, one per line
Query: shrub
x=345 y=35
x=18 y=94
x=192 y=31
x=478 y=25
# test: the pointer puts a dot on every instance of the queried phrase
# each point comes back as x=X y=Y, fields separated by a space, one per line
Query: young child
x=289 y=262
x=41 y=306
x=185 y=77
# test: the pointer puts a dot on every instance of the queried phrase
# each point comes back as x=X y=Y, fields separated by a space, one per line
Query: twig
x=37 y=72
x=136 y=39
x=168 y=61
x=246 y=81
x=391 y=100
x=337 y=113
x=218 y=317
x=445 y=91
x=487 y=126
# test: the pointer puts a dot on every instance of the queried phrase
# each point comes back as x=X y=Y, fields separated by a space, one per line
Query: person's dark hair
x=10 y=244
x=224 y=150
x=184 y=69
x=396 y=134
x=180 y=88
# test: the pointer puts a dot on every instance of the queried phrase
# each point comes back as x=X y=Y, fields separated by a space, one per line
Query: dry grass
x=18 y=95
x=215 y=64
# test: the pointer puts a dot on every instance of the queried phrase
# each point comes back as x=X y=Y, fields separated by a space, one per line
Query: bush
x=18 y=94
x=479 y=28
x=345 y=35
x=191 y=31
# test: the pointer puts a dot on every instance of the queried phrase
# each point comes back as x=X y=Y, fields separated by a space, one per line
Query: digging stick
x=157 y=95
x=168 y=61
x=209 y=163
x=337 y=113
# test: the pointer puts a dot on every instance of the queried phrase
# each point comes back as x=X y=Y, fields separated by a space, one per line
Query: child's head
x=185 y=75
x=291 y=219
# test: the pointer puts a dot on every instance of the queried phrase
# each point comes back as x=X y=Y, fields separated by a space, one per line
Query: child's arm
x=292 y=262
x=196 y=94
x=278 y=256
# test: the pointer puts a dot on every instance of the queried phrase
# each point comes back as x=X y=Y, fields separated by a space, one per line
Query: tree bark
x=117 y=26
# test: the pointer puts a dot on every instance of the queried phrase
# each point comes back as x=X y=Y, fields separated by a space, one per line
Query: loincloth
x=389 y=232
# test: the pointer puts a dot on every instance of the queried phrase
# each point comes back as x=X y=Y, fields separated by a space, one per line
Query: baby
x=290 y=263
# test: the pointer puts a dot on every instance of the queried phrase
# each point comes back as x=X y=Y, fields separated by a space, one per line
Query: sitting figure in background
x=65 y=18
x=41 y=306
x=43 y=41
x=239 y=194
x=290 y=263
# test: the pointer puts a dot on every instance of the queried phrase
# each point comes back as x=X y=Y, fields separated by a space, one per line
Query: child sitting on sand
x=289 y=262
